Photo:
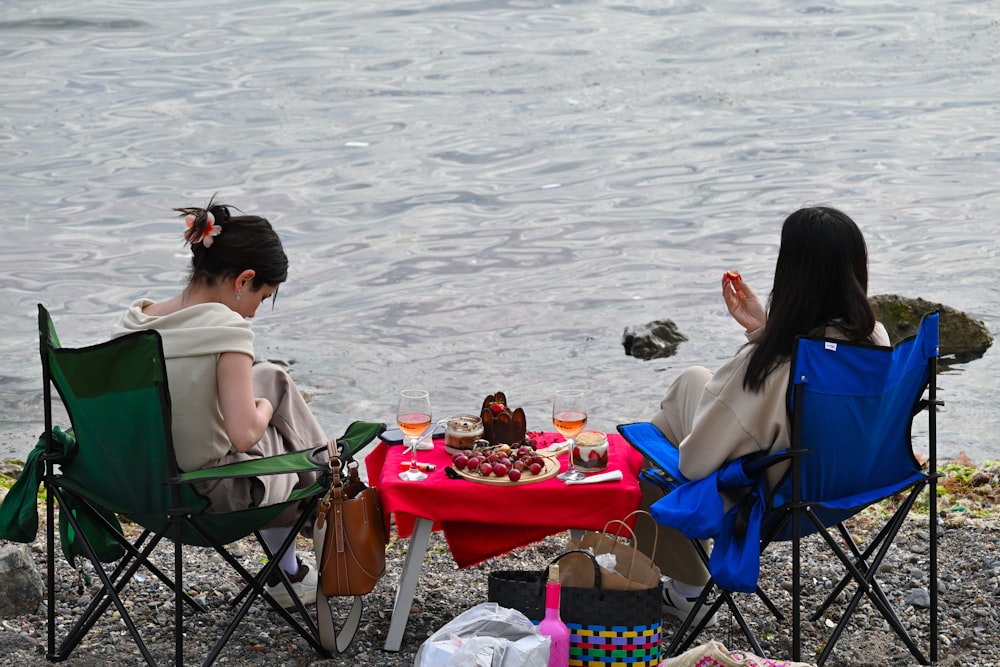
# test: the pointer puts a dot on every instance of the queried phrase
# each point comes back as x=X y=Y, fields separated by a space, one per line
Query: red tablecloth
x=481 y=521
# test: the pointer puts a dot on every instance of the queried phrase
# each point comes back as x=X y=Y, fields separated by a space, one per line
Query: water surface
x=482 y=195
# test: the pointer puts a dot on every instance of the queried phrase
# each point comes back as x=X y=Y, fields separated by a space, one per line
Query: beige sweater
x=731 y=422
x=193 y=338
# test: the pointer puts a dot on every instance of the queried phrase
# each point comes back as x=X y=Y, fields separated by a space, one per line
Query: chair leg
x=863 y=574
x=860 y=561
x=135 y=550
x=108 y=594
x=771 y=607
x=255 y=586
x=932 y=573
x=50 y=564
x=122 y=574
x=178 y=593
x=683 y=638
x=796 y=587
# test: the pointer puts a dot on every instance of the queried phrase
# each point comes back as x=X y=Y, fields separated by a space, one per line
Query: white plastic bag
x=486 y=635
x=607 y=561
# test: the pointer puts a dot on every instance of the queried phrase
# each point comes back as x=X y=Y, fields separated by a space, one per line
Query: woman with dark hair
x=226 y=408
x=820 y=288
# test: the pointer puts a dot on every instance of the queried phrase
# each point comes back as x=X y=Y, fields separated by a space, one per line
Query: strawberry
x=732 y=280
x=497 y=408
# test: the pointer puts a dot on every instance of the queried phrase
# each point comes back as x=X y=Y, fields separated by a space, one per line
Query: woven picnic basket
x=606 y=626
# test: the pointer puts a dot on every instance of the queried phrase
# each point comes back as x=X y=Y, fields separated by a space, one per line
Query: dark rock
x=654 y=340
x=980 y=478
x=920 y=598
x=11 y=468
x=962 y=337
x=21 y=587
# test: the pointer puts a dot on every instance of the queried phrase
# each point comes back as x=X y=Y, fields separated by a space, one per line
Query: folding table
x=481 y=521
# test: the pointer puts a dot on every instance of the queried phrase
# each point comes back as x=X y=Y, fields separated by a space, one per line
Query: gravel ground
x=969 y=588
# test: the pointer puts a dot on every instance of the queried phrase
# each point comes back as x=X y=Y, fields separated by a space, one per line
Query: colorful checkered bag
x=607 y=626
x=599 y=645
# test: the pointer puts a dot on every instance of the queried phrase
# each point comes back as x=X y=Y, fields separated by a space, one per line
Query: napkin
x=610 y=476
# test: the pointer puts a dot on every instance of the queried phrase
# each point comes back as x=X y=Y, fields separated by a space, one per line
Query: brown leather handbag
x=353 y=556
x=349 y=539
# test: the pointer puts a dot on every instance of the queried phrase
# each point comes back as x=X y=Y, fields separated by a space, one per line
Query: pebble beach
x=969 y=586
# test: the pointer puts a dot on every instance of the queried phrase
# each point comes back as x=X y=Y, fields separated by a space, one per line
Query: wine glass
x=569 y=415
x=413 y=415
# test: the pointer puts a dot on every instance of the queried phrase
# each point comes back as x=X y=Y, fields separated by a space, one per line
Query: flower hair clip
x=211 y=229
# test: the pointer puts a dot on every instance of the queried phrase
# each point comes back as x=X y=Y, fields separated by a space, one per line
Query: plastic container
x=461 y=432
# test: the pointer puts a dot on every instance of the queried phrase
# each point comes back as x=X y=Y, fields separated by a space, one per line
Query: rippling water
x=481 y=195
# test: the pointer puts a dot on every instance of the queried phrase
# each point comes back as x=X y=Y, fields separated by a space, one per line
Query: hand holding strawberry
x=733 y=279
x=741 y=301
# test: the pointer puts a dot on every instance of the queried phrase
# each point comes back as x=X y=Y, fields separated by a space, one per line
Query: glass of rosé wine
x=569 y=415
x=413 y=414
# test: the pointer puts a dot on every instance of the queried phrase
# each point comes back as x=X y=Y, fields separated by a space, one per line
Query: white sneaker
x=304 y=584
x=679 y=606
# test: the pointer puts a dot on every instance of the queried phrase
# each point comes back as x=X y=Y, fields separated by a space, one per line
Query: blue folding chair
x=851 y=408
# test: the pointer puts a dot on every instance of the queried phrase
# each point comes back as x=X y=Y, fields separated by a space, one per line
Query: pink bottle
x=552 y=626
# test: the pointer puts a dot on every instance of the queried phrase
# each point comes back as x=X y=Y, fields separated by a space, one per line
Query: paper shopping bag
x=632 y=570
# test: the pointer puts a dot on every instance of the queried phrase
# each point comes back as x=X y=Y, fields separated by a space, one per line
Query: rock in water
x=963 y=338
x=654 y=340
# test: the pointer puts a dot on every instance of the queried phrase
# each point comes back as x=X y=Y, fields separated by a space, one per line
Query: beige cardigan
x=193 y=338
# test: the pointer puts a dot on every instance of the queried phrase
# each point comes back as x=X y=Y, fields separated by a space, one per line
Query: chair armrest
x=357 y=435
x=659 y=478
x=274 y=465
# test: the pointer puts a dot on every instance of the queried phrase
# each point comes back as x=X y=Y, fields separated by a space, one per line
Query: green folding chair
x=118 y=460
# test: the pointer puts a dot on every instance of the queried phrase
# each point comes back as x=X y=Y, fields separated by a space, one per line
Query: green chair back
x=118 y=402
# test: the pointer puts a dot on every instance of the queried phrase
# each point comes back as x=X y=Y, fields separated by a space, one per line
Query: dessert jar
x=590 y=452
x=462 y=431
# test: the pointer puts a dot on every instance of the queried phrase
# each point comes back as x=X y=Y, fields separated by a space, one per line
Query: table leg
x=408 y=582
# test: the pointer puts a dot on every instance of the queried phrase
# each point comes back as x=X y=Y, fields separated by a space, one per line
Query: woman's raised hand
x=741 y=301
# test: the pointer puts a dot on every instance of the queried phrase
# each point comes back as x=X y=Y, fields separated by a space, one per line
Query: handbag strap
x=353 y=485
x=333 y=461
x=332 y=640
x=329 y=638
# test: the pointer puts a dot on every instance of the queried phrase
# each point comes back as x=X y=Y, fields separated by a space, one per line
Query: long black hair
x=242 y=242
x=820 y=279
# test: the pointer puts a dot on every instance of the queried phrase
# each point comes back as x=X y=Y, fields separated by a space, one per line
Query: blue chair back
x=852 y=408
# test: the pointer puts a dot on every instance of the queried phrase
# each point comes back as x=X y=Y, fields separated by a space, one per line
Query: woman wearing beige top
x=226 y=408
x=820 y=287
